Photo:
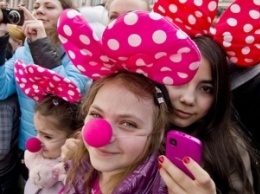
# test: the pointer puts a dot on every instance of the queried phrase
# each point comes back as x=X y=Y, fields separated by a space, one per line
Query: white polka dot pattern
x=237 y=30
x=36 y=82
x=139 y=42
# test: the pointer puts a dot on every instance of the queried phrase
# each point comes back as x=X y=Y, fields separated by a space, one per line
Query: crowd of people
x=100 y=87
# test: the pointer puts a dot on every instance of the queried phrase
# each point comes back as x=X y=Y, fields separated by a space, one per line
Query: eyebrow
x=207 y=82
x=43 y=133
x=121 y=115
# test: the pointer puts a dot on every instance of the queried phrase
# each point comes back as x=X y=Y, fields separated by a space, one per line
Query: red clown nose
x=33 y=144
x=97 y=132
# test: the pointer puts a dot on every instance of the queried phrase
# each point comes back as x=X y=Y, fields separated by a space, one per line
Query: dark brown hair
x=218 y=130
x=65 y=113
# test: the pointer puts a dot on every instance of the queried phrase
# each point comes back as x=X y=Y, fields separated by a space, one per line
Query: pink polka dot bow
x=237 y=30
x=139 y=42
x=36 y=82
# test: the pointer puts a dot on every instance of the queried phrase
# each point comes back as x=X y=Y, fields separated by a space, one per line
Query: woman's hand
x=180 y=183
x=32 y=28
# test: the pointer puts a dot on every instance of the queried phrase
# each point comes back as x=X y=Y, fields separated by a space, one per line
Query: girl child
x=41 y=47
x=203 y=108
x=132 y=105
x=55 y=120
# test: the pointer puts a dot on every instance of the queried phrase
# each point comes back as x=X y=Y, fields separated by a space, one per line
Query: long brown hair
x=218 y=130
x=143 y=88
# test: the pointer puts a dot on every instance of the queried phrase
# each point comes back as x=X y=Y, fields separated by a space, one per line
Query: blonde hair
x=15 y=32
x=143 y=88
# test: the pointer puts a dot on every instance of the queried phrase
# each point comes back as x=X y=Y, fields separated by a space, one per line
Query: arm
x=51 y=57
x=6 y=125
x=43 y=52
x=4 y=36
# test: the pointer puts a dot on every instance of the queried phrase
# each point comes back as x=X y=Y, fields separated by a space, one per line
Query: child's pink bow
x=140 y=42
x=36 y=82
x=237 y=30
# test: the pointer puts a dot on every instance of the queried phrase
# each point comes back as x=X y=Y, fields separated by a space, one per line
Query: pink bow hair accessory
x=139 y=42
x=237 y=30
x=37 y=82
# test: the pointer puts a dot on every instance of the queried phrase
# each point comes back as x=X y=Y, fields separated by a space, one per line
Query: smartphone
x=12 y=16
x=180 y=145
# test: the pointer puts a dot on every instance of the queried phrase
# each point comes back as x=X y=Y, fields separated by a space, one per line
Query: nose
x=33 y=144
x=188 y=96
x=39 y=10
x=97 y=132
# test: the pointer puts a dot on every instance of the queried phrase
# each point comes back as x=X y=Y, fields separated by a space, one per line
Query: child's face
x=131 y=119
x=192 y=101
x=52 y=138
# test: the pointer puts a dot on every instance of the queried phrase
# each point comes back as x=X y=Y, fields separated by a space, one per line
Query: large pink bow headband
x=140 y=42
x=237 y=30
x=37 y=82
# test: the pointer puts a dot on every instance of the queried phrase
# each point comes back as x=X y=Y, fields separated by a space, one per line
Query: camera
x=12 y=16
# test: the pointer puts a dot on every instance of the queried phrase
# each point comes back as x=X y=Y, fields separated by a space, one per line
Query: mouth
x=43 y=20
x=183 y=114
x=103 y=152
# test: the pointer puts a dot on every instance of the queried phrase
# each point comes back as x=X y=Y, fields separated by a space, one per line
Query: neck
x=107 y=180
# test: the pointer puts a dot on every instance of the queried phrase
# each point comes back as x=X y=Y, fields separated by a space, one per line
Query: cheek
x=133 y=146
x=173 y=93
x=205 y=105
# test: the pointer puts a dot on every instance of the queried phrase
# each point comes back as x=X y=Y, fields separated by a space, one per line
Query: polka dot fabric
x=139 y=42
x=192 y=16
x=237 y=30
x=36 y=82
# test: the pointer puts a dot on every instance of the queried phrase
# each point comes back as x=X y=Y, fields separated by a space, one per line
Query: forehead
x=123 y=6
x=47 y=124
x=204 y=70
x=55 y=2
x=115 y=96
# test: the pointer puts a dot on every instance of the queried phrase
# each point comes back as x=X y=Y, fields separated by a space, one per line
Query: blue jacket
x=8 y=86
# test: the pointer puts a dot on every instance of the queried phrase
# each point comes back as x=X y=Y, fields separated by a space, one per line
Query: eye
x=207 y=89
x=128 y=124
x=95 y=115
x=47 y=137
x=113 y=17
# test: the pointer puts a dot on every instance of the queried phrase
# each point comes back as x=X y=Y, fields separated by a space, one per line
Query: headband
x=37 y=82
x=237 y=30
x=140 y=42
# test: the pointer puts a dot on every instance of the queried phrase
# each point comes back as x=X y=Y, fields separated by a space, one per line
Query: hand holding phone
x=180 y=145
